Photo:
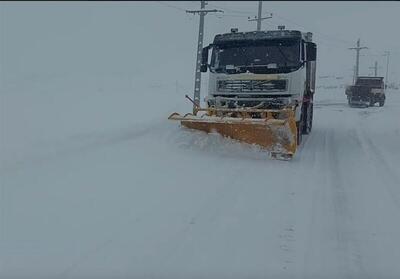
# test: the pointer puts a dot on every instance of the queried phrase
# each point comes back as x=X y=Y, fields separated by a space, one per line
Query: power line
x=317 y=32
x=283 y=18
x=242 y=14
x=249 y=13
x=171 y=6
x=230 y=15
x=231 y=10
x=235 y=15
x=328 y=37
x=320 y=40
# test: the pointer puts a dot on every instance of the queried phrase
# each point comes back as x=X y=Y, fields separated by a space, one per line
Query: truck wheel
x=311 y=116
x=308 y=114
x=299 y=126
x=381 y=103
x=303 y=118
x=371 y=103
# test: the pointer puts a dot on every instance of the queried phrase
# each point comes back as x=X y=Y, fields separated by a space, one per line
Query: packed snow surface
x=97 y=183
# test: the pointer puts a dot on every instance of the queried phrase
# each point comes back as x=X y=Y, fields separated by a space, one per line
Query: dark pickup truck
x=367 y=91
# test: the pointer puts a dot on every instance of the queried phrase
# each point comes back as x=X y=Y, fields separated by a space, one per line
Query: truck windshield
x=270 y=56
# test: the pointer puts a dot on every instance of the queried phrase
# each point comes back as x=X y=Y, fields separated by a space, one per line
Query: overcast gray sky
x=157 y=40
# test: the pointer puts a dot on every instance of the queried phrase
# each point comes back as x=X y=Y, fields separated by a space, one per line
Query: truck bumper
x=360 y=103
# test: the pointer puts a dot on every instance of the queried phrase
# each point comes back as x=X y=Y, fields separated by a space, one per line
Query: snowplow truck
x=261 y=88
x=367 y=91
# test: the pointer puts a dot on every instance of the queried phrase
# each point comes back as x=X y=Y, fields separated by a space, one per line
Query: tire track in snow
x=381 y=167
x=349 y=256
x=293 y=198
x=287 y=234
x=331 y=212
x=288 y=229
x=371 y=246
x=319 y=139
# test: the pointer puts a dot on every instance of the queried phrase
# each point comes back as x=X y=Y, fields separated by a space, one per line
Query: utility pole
x=259 y=18
x=259 y=15
x=375 y=68
x=197 y=78
x=358 y=48
x=387 y=54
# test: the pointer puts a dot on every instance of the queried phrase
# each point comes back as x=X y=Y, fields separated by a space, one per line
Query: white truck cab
x=263 y=69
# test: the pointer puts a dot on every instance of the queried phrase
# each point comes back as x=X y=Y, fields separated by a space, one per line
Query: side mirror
x=204 y=59
x=311 y=52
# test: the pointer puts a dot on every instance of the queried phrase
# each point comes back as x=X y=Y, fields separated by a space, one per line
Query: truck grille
x=252 y=85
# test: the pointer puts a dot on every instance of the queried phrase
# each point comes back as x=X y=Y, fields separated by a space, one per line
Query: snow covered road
x=150 y=200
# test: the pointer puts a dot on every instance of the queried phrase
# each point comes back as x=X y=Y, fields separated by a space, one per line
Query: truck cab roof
x=370 y=78
x=370 y=81
x=227 y=38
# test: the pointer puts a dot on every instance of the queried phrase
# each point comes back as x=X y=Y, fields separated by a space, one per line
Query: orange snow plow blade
x=273 y=130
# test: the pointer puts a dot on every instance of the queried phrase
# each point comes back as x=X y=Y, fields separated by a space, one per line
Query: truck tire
x=308 y=117
x=299 y=126
x=303 y=118
x=381 y=103
x=312 y=116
